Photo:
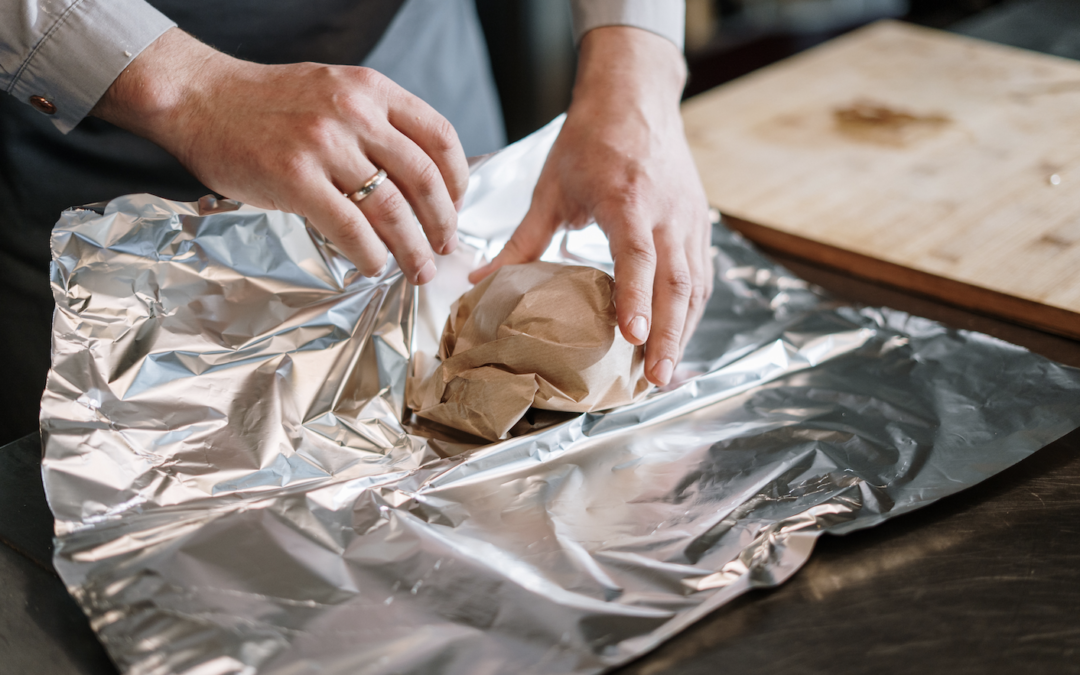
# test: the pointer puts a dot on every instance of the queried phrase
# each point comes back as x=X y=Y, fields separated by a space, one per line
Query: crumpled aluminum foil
x=236 y=490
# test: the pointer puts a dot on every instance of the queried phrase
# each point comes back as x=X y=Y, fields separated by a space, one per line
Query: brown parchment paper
x=539 y=334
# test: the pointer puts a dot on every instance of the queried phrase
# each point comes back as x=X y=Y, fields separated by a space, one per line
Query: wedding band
x=368 y=187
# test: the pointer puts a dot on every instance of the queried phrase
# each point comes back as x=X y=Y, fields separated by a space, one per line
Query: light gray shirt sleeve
x=67 y=52
x=666 y=18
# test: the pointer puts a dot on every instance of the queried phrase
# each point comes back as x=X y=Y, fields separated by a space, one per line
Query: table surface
x=984 y=581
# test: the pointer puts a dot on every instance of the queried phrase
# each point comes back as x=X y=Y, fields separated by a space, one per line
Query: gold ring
x=368 y=187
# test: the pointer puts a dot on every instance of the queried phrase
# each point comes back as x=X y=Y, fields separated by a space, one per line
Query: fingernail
x=458 y=204
x=426 y=274
x=639 y=328
x=662 y=371
x=450 y=246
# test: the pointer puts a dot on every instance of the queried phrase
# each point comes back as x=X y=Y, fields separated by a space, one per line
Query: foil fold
x=239 y=488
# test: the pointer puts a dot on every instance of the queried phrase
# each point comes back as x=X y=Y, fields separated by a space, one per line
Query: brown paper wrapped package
x=539 y=334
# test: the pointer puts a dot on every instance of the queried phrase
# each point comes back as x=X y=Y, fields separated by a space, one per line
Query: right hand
x=296 y=138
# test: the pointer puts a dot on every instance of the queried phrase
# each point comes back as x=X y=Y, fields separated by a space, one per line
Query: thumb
x=528 y=243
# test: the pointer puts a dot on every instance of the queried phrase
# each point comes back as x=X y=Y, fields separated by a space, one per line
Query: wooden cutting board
x=941 y=164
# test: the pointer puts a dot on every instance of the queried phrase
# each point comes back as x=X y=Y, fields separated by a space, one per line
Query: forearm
x=157 y=95
x=620 y=65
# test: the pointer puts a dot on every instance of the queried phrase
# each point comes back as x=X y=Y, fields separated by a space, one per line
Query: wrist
x=158 y=93
x=626 y=66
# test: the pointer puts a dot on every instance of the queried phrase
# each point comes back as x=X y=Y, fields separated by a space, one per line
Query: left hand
x=622 y=160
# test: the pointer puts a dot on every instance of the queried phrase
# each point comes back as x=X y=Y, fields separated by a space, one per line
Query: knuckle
x=427 y=178
x=699 y=293
x=294 y=167
x=348 y=236
x=389 y=206
x=632 y=294
x=632 y=197
x=639 y=250
x=317 y=132
x=357 y=109
x=361 y=97
x=461 y=186
x=353 y=92
x=323 y=75
x=369 y=78
x=373 y=264
x=668 y=339
x=443 y=135
x=411 y=258
x=443 y=230
x=369 y=260
x=625 y=204
x=634 y=189
x=679 y=284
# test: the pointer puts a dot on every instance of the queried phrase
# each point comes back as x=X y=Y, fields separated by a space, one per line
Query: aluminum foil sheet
x=237 y=488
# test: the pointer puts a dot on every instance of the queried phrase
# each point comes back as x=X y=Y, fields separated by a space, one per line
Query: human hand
x=298 y=137
x=622 y=159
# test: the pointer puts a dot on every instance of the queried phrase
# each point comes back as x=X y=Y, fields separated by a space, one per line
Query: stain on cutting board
x=871 y=122
x=862 y=121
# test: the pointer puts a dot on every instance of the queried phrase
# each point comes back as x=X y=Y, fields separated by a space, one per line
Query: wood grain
x=938 y=163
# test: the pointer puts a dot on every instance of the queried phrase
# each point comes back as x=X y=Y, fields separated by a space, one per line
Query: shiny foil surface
x=238 y=487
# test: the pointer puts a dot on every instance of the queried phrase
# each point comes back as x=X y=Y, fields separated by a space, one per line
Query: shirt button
x=42 y=104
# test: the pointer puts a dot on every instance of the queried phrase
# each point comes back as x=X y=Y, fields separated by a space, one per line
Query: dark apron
x=433 y=48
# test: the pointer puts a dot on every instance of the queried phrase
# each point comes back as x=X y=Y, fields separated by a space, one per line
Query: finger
x=389 y=215
x=338 y=219
x=634 y=254
x=419 y=179
x=435 y=136
x=700 y=290
x=671 y=300
x=529 y=241
x=708 y=265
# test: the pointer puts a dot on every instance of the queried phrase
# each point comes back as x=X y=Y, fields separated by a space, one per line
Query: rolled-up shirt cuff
x=82 y=53
x=666 y=18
